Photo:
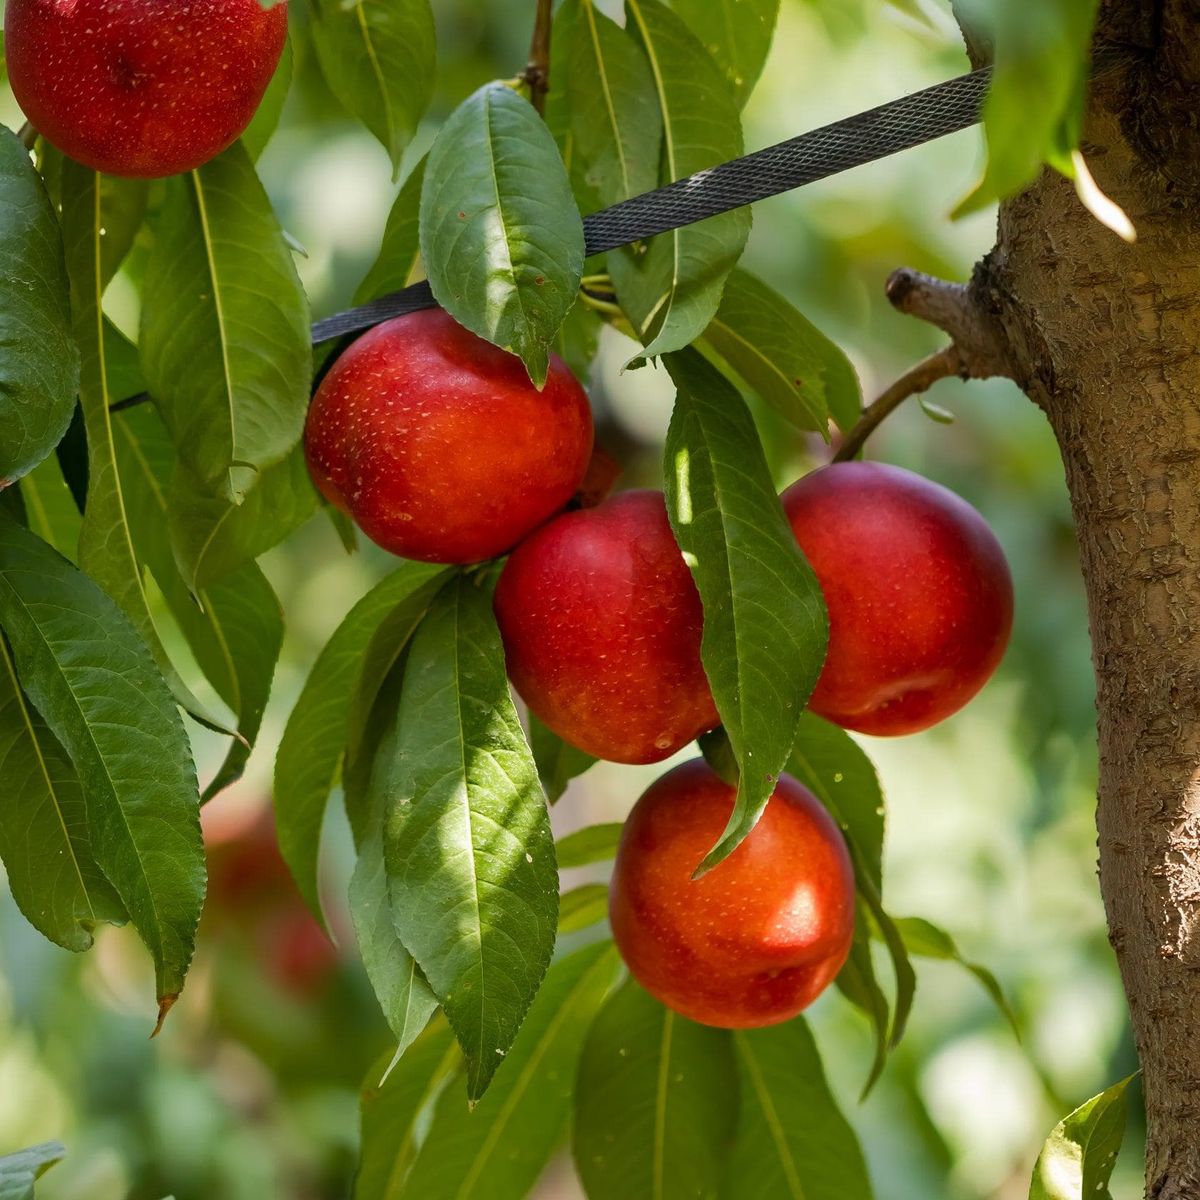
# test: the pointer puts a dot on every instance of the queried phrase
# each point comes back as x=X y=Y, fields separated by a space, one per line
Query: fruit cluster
x=440 y=448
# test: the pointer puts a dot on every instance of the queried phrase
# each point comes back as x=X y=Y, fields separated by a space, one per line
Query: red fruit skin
x=601 y=624
x=757 y=939
x=143 y=88
x=919 y=594
x=439 y=446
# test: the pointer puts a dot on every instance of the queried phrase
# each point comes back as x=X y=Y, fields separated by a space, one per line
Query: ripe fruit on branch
x=142 y=87
x=601 y=624
x=757 y=939
x=438 y=445
x=919 y=595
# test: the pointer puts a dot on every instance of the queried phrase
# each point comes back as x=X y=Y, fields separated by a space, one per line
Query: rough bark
x=1105 y=337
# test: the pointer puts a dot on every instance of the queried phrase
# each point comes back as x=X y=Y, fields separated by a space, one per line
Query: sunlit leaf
x=20 y=1171
x=765 y=627
x=596 y=843
x=469 y=852
x=504 y=259
x=737 y=33
x=1078 y=1158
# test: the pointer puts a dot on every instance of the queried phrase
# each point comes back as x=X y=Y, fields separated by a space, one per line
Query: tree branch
x=921 y=378
x=537 y=74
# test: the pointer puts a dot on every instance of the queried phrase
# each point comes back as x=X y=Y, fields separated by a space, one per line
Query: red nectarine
x=141 y=87
x=760 y=936
x=438 y=445
x=918 y=590
x=601 y=623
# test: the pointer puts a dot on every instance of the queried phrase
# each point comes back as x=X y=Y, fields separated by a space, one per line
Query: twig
x=27 y=135
x=536 y=75
x=921 y=378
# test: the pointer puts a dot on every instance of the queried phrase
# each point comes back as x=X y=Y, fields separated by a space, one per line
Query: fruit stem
x=536 y=75
x=921 y=378
x=27 y=136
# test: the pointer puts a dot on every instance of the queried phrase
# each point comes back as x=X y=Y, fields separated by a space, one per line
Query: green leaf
x=212 y=537
x=616 y=123
x=346 y=676
x=266 y=119
x=793 y=1142
x=92 y=679
x=656 y=1103
x=558 y=762
x=671 y=288
x=1078 y=1158
x=737 y=33
x=778 y=353
x=582 y=907
x=858 y=982
x=51 y=508
x=39 y=362
x=504 y=257
x=406 y=999
x=392 y=1111
x=501 y=1148
x=378 y=58
x=235 y=627
x=835 y=768
x=470 y=856
x=765 y=628
x=20 y=1171
x=106 y=549
x=597 y=843
x=1033 y=113
x=44 y=841
x=927 y=940
x=399 y=261
x=225 y=337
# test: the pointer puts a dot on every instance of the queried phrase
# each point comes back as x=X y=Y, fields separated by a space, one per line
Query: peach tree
x=142 y=481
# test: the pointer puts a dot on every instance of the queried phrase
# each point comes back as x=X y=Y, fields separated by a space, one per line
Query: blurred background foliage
x=252 y=1090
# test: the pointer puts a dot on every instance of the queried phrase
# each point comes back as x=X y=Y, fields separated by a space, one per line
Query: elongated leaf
x=793 y=1142
x=765 y=627
x=597 y=843
x=737 y=33
x=656 y=1103
x=616 y=122
x=225 y=337
x=392 y=1110
x=51 y=509
x=835 y=768
x=1078 y=1158
x=858 y=982
x=347 y=675
x=926 y=940
x=504 y=258
x=378 y=58
x=671 y=289
x=470 y=856
x=1034 y=110
x=266 y=119
x=20 y=1171
x=44 y=840
x=788 y=361
x=39 y=361
x=501 y=1148
x=406 y=999
x=582 y=907
x=399 y=261
x=235 y=627
x=213 y=537
x=106 y=550
x=93 y=681
x=558 y=762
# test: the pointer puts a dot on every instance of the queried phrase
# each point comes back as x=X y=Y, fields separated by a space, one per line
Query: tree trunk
x=1105 y=337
